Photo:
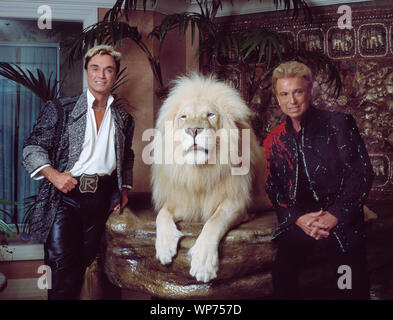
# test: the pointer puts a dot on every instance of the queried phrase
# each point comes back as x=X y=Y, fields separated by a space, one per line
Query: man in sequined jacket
x=319 y=176
x=81 y=149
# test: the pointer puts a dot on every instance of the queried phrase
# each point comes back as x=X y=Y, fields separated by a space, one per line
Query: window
x=19 y=108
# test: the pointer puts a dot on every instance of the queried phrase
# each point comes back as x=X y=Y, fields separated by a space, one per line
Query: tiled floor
x=22 y=289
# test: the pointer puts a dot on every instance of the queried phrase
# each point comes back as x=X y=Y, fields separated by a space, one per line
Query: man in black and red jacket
x=319 y=175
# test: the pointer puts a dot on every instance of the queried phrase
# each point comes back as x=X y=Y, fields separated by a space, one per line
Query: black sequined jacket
x=57 y=138
x=336 y=164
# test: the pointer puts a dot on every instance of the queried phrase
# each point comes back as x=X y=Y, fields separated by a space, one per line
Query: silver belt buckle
x=88 y=183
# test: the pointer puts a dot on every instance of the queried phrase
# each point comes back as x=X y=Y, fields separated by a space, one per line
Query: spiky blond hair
x=291 y=69
x=103 y=49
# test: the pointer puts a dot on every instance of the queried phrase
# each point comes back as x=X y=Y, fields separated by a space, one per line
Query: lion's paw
x=204 y=261
x=166 y=243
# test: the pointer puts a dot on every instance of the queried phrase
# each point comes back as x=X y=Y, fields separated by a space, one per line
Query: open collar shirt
x=98 y=154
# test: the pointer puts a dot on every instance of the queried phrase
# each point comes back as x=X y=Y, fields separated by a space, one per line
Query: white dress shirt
x=98 y=151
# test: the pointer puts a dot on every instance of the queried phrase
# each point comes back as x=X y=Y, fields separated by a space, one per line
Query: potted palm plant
x=250 y=47
x=15 y=229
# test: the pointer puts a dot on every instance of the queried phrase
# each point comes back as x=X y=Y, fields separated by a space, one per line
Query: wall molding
x=17 y=9
x=83 y=10
x=22 y=251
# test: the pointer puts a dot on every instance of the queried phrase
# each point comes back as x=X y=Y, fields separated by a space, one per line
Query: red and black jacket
x=337 y=167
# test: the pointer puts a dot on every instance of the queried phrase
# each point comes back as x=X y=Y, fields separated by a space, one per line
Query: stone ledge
x=246 y=255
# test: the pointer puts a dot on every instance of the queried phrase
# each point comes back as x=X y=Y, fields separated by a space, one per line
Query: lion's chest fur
x=195 y=192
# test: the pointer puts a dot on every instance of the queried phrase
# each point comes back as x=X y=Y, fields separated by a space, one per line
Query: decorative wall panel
x=364 y=56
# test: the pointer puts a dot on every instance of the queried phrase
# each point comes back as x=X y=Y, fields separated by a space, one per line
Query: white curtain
x=19 y=108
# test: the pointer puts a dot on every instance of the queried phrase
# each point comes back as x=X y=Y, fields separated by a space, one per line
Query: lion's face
x=196 y=124
x=204 y=123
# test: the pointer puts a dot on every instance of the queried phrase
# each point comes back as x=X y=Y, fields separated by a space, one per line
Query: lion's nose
x=193 y=132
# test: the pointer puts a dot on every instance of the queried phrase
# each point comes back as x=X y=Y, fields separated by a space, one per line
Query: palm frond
x=104 y=32
x=255 y=46
x=209 y=8
x=182 y=21
x=111 y=33
x=5 y=228
x=12 y=217
x=127 y=5
x=121 y=79
x=8 y=202
x=6 y=213
x=28 y=205
x=44 y=89
x=263 y=44
x=122 y=103
x=297 y=6
x=223 y=45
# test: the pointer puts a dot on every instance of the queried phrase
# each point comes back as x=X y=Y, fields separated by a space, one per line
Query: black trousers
x=75 y=237
x=294 y=247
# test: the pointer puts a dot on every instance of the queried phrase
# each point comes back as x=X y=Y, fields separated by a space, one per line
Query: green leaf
x=8 y=202
x=5 y=228
x=262 y=49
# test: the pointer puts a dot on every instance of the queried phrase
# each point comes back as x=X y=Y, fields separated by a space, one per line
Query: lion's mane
x=194 y=192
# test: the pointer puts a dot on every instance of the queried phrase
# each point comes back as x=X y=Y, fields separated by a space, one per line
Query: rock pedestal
x=246 y=256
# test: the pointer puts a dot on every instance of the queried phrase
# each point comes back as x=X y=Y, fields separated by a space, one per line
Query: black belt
x=89 y=183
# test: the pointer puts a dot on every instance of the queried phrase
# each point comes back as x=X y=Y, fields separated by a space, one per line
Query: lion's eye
x=211 y=115
x=183 y=117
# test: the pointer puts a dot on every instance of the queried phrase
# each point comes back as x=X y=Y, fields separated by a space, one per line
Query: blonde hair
x=103 y=49
x=291 y=69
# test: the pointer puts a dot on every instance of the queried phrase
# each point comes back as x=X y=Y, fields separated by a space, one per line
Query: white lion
x=203 y=168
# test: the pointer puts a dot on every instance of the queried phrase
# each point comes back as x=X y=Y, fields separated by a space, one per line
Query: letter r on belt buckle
x=88 y=183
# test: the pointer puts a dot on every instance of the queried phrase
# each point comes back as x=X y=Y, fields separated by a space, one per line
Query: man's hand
x=328 y=220
x=124 y=199
x=311 y=224
x=63 y=181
